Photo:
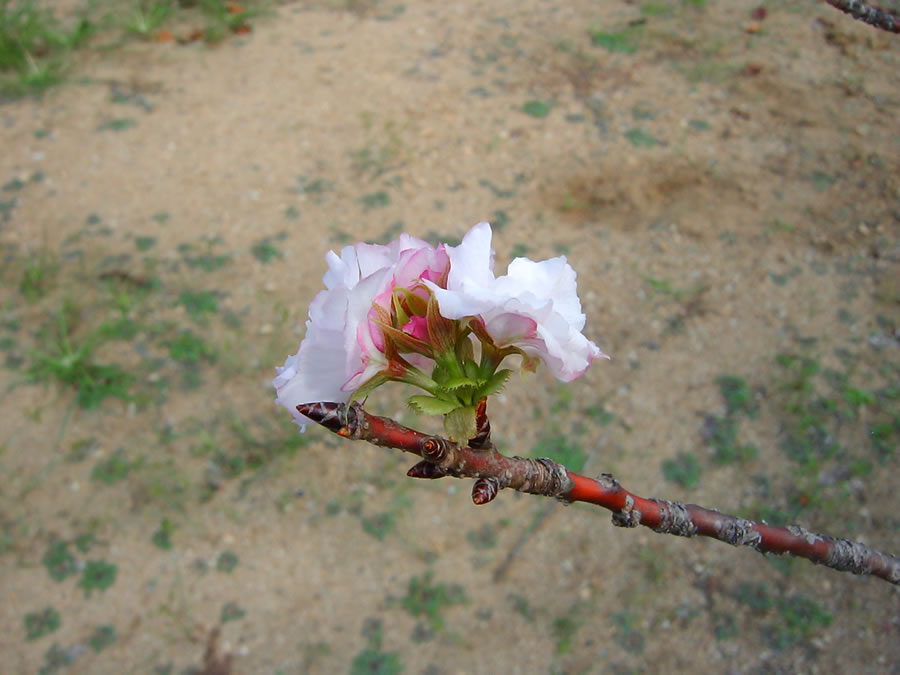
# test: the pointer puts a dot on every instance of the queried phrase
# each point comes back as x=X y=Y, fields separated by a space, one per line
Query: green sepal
x=441 y=374
x=466 y=346
x=399 y=310
x=455 y=383
x=368 y=387
x=429 y=405
x=495 y=383
x=460 y=424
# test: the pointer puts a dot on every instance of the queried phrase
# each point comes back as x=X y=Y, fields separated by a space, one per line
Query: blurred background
x=723 y=176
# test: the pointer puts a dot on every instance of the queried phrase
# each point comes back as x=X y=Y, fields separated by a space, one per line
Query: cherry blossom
x=343 y=347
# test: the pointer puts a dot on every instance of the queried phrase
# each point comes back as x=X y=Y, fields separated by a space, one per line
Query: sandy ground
x=727 y=189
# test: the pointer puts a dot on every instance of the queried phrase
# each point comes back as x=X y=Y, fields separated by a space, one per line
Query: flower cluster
x=419 y=314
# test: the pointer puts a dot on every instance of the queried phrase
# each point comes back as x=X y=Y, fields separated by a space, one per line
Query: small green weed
x=162 y=538
x=521 y=606
x=375 y=200
x=208 y=260
x=485 y=537
x=721 y=433
x=383 y=153
x=656 y=9
x=147 y=17
x=500 y=220
x=97 y=575
x=654 y=565
x=144 y=244
x=599 y=414
x=518 y=250
x=59 y=561
x=265 y=251
x=801 y=618
x=199 y=303
x=884 y=437
x=227 y=561
x=224 y=16
x=725 y=626
x=38 y=275
x=499 y=192
x=623 y=41
x=42 y=623
x=117 y=124
x=738 y=396
x=162 y=482
x=83 y=542
x=564 y=629
x=56 y=658
x=807 y=440
x=372 y=660
x=34 y=46
x=112 y=469
x=424 y=598
x=626 y=634
x=538 y=109
x=80 y=449
x=858 y=398
x=74 y=366
x=190 y=349
x=561 y=449
x=754 y=596
x=699 y=125
x=102 y=637
x=314 y=188
x=683 y=470
x=379 y=525
x=232 y=611
x=640 y=138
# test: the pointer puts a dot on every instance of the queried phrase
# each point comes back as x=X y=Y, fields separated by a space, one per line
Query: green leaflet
x=429 y=405
x=455 y=383
x=460 y=424
x=369 y=387
x=496 y=383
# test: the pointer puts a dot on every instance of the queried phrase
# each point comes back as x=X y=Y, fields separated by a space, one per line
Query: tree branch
x=493 y=472
x=874 y=16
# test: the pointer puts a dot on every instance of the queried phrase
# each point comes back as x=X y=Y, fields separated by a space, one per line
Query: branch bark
x=874 y=16
x=493 y=472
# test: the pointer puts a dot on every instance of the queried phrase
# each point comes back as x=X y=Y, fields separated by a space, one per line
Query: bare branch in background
x=874 y=16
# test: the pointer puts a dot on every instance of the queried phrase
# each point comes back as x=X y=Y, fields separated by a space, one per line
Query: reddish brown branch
x=493 y=472
x=687 y=520
x=874 y=16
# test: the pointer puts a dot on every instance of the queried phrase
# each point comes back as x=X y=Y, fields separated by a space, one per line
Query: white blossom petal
x=543 y=292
